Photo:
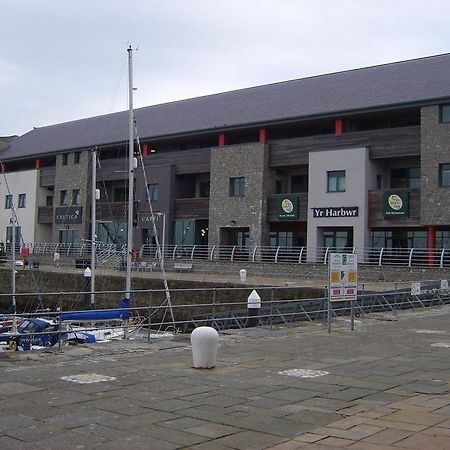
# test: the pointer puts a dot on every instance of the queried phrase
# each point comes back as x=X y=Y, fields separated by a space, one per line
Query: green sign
x=288 y=208
x=395 y=204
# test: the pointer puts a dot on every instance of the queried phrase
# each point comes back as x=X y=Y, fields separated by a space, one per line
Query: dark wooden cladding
x=191 y=208
x=112 y=211
x=382 y=143
x=197 y=160
x=45 y=214
x=272 y=207
x=47 y=176
x=377 y=219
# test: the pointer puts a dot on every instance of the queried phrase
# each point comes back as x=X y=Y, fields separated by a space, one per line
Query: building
x=354 y=159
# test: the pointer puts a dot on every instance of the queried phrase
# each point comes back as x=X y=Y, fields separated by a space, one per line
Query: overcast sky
x=63 y=60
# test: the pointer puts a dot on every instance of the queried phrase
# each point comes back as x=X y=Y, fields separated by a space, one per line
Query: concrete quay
x=385 y=385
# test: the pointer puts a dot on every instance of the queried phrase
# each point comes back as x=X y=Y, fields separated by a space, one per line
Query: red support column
x=145 y=149
x=38 y=163
x=339 y=127
x=223 y=139
x=431 y=238
x=4 y=168
x=263 y=135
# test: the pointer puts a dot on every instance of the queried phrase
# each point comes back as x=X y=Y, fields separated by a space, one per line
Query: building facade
x=352 y=160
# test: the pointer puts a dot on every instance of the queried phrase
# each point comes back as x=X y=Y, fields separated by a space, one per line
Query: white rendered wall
x=360 y=177
x=25 y=182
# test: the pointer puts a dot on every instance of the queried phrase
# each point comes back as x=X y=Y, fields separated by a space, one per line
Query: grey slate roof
x=418 y=81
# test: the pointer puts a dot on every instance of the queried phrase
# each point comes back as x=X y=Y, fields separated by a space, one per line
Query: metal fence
x=279 y=306
x=105 y=253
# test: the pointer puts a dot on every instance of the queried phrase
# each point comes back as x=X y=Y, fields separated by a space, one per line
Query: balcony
x=191 y=208
x=47 y=176
x=376 y=209
x=112 y=211
x=45 y=214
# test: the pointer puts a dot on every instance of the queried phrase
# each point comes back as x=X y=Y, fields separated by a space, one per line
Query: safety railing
x=383 y=256
x=221 y=308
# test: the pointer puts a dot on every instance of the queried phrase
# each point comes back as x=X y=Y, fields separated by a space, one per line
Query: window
x=336 y=181
x=8 y=201
x=63 y=199
x=153 y=191
x=76 y=197
x=237 y=187
x=299 y=183
x=279 y=187
x=22 y=199
x=67 y=236
x=65 y=159
x=406 y=178
x=9 y=236
x=49 y=200
x=445 y=113
x=204 y=189
x=77 y=157
x=444 y=175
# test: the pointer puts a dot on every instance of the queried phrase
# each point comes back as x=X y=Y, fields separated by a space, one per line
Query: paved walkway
x=383 y=386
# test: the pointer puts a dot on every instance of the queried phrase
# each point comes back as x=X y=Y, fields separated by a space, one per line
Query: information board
x=343 y=276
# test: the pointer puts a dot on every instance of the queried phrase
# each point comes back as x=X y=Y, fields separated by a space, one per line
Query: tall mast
x=13 y=258
x=130 y=173
x=93 y=214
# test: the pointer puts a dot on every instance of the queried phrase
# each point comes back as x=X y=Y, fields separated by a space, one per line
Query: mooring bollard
x=243 y=275
x=204 y=343
x=253 y=306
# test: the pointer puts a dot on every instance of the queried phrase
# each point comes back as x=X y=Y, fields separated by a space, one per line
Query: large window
x=445 y=113
x=237 y=187
x=405 y=178
x=67 y=236
x=65 y=159
x=76 y=197
x=153 y=191
x=22 y=200
x=444 y=175
x=77 y=157
x=336 y=181
x=281 y=238
x=184 y=232
x=299 y=183
x=204 y=187
x=9 y=237
x=8 y=201
x=63 y=198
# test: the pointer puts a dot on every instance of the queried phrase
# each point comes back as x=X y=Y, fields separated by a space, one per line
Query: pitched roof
x=417 y=81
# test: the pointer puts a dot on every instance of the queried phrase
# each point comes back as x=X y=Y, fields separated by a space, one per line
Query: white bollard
x=253 y=306
x=204 y=343
x=243 y=275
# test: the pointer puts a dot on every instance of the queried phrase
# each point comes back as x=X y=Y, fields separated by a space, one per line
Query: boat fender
x=90 y=338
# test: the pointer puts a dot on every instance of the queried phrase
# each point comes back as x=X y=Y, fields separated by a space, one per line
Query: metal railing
x=225 y=308
x=406 y=257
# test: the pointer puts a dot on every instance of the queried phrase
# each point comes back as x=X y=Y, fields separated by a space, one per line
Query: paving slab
x=386 y=387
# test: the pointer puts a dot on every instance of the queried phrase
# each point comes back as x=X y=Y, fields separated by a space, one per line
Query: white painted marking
x=304 y=373
x=441 y=344
x=430 y=331
x=87 y=378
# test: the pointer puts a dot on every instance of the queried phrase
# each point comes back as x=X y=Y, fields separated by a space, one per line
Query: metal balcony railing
x=405 y=257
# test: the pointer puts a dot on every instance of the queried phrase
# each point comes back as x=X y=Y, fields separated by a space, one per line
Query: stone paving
x=383 y=386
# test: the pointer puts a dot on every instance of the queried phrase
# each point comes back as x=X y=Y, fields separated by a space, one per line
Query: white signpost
x=342 y=281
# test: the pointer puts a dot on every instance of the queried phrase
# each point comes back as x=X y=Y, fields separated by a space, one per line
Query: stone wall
x=435 y=200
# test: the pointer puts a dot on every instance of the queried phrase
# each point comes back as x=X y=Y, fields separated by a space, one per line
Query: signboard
x=396 y=204
x=415 y=288
x=444 y=285
x=69 y=214
x=288 y=208
x=343 y=276
x=336 y=211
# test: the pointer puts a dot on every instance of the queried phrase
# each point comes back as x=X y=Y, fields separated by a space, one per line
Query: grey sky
x=62 y=60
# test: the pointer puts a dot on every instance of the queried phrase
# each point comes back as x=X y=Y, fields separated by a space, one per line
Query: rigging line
x=149 y=202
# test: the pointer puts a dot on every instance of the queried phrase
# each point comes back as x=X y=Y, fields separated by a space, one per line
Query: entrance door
x=236 y=240
x=338 y=239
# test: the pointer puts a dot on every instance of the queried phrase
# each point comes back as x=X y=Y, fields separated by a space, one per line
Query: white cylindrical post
x=253 y=306
x=87 y=285
x=243 y=275
x=204 y=342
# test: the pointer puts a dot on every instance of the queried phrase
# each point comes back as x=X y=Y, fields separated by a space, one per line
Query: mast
x=13 y=257
x=93 y=215
x=130 y=174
